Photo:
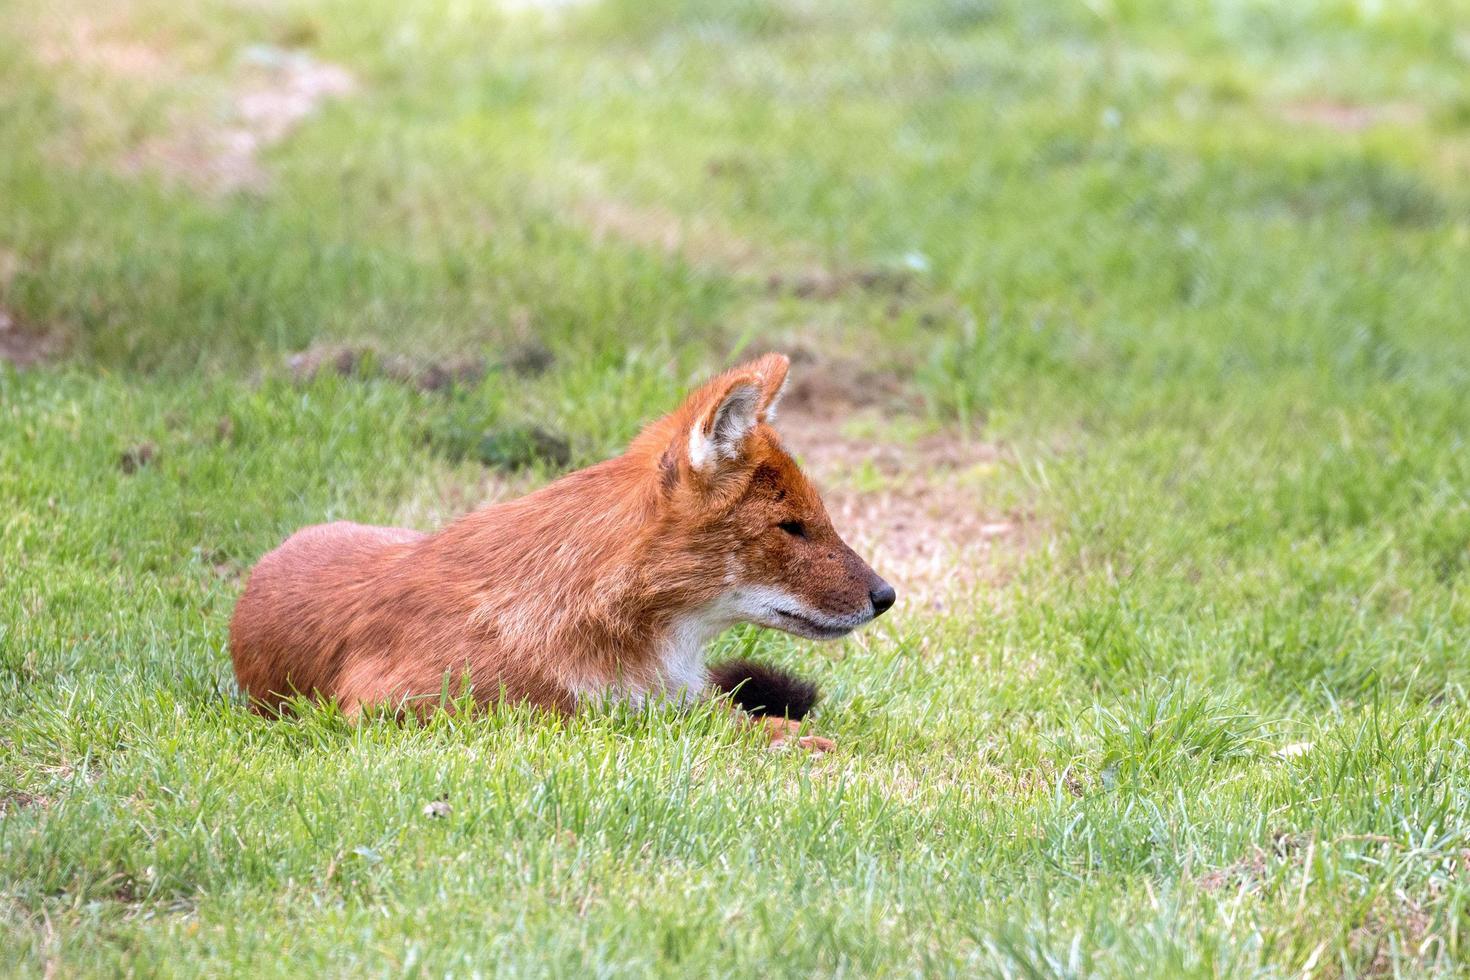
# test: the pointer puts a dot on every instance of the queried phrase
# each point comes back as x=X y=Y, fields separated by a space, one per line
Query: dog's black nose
x=882 y=598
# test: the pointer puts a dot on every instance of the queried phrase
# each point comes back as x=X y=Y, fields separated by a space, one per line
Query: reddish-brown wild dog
x=607 y=583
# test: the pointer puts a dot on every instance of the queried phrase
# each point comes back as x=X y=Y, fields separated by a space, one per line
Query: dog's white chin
x=798 y=624
x=778 y=609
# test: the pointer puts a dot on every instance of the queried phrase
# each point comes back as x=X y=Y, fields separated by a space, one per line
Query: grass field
x=1135 y=342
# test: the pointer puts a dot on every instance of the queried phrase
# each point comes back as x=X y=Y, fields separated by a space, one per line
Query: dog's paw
x=786 y=733
x=816 y=744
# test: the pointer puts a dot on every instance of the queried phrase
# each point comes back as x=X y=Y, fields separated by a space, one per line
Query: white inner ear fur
x=718 y=435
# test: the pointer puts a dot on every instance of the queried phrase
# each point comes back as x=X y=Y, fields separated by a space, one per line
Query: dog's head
x=736 y=513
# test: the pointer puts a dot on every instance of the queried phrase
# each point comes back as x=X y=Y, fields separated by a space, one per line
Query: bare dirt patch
x=135 y=458
x=1398 y=932
x=1250 y=872
x=529 y=359
x=914 y=507
x=13 y=801
x=827 y=284
x=1395 y=933
x=1345 y=117
x=277 y=90
x=1247 y=874
x=366 y=361
x=24 y=346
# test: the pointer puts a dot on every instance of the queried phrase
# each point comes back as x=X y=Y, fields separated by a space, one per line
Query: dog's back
x=286 y=633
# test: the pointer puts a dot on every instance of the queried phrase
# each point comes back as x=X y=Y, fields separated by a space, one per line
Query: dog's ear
x=718 y=433
x=709 y=431
x=731 y=405
x=771 y=370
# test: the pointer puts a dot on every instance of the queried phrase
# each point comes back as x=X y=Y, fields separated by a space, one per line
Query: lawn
x=1130 y=341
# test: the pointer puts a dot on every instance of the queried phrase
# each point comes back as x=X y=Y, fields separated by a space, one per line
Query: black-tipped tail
x=764 y=690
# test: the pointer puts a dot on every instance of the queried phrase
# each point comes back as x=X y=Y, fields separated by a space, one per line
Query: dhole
x=607 y=583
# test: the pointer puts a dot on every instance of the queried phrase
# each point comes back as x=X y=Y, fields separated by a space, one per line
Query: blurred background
x=1129 y=340
x=1003 y=221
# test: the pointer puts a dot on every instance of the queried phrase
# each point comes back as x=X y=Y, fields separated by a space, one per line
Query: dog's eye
x=794 y=528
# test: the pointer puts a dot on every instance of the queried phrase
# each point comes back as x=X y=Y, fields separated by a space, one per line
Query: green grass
x=1225 y=351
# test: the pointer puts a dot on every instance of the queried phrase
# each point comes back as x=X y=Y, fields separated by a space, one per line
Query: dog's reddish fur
x=600 y=583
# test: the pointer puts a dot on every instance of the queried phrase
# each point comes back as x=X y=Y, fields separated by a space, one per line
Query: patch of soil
x=827 y=389
x=1344 y=117
x=926 y=528
x=366 y=361
x=278 y=90
x=1402 y=923
x=24 y=347
x=10 y=265
x=1250 y=871
x=286 y=87
x=134 y=458
x=13 y=801
x=529 y=360
x=824 y=284
x=1246 y=873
